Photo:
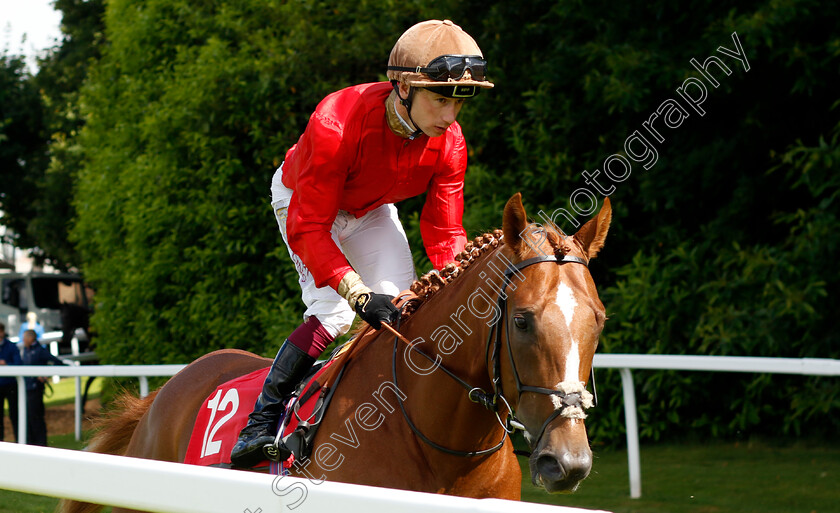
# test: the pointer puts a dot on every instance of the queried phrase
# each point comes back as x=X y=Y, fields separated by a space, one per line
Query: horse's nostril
x=565 y=470
x=549 y=468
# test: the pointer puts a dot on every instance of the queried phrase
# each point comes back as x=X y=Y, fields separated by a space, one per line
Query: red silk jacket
x=349 y=159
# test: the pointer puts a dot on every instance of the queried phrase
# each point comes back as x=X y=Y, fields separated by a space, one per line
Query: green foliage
x=702 y=298
x=42 y=113
x=727 y=245
x=61 y=73
x=22 y=143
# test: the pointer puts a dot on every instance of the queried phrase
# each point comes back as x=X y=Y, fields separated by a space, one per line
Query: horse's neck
x=455 y=323
x=454 y=327
x=435 y=403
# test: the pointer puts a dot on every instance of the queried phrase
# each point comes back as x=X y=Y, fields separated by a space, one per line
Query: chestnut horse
x=513 y=328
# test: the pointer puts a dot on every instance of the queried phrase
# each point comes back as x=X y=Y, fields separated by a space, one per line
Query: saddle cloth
x=225 y=412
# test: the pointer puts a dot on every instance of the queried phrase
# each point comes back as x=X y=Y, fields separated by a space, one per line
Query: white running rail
x=625 y=362
x=158 y=486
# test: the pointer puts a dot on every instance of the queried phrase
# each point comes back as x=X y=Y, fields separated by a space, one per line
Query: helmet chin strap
x=406 y=102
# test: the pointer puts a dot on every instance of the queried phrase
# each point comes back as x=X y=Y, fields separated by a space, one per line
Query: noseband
x=569 y=401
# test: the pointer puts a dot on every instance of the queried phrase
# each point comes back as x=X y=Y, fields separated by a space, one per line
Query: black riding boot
x=290 y=366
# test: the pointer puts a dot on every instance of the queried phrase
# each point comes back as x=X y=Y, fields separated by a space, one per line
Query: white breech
x=375 y=245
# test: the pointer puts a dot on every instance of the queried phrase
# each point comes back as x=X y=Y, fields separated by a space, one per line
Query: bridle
x=566 y=400
x=492 y=401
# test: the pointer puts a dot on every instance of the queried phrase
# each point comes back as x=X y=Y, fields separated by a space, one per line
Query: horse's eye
x=520 y=322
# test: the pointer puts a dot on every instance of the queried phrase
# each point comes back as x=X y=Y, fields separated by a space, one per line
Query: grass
x=714 y=477
x=64 y=392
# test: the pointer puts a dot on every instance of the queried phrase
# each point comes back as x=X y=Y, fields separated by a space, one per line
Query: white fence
x=139 y=371
x=158 y=486
x=623 y=362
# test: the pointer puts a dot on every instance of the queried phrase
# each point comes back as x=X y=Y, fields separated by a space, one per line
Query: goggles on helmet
x=452 y=67
x=455 y=91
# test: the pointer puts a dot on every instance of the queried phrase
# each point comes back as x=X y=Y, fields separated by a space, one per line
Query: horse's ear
x=514 y=222
x=592 y=235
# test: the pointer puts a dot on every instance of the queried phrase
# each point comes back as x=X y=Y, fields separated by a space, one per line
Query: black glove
x=376 y=308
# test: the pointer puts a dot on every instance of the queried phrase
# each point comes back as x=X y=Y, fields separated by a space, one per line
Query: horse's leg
x=88 y=383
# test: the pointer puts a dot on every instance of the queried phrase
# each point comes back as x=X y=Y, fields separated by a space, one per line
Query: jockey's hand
x=373 y=308
x=376 y=308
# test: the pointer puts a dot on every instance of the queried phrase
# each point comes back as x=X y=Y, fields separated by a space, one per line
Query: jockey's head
x=440 y=57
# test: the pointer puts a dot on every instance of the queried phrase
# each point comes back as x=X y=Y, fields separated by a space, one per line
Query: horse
x=73 y=317
x=503 y=339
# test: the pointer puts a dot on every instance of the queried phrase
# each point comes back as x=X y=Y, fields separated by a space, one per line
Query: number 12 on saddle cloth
x=225 y=412
x=222 y=416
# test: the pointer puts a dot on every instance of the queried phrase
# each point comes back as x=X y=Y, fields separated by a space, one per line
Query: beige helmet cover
x=427 y=40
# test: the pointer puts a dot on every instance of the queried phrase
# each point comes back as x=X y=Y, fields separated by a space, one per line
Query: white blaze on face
x=566 y=301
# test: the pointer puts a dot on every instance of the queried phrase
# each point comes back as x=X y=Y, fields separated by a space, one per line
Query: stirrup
x=276 y=452
x=292 y=444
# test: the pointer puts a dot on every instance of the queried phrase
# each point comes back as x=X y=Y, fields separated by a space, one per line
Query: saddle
x=306 y=407
x=225 y=412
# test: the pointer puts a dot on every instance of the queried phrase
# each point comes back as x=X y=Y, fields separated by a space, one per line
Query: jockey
x=365 y=148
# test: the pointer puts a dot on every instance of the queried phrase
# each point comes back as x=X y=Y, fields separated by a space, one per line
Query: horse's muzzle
x=560 y=471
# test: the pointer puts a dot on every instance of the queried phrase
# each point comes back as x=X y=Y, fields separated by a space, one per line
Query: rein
x=572 y=398
x=461 y=382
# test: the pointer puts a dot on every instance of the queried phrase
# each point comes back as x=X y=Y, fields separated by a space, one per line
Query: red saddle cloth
x=225 y=412
x=221 y=417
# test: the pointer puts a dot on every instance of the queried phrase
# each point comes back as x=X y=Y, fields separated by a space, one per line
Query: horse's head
x=552 y=320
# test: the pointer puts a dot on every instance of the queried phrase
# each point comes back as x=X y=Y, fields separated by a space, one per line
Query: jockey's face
x=431 y=112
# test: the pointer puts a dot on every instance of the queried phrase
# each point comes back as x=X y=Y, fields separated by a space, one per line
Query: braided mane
x=430 y=283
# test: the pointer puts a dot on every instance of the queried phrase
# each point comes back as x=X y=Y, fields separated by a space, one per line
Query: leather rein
x=491 y=401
